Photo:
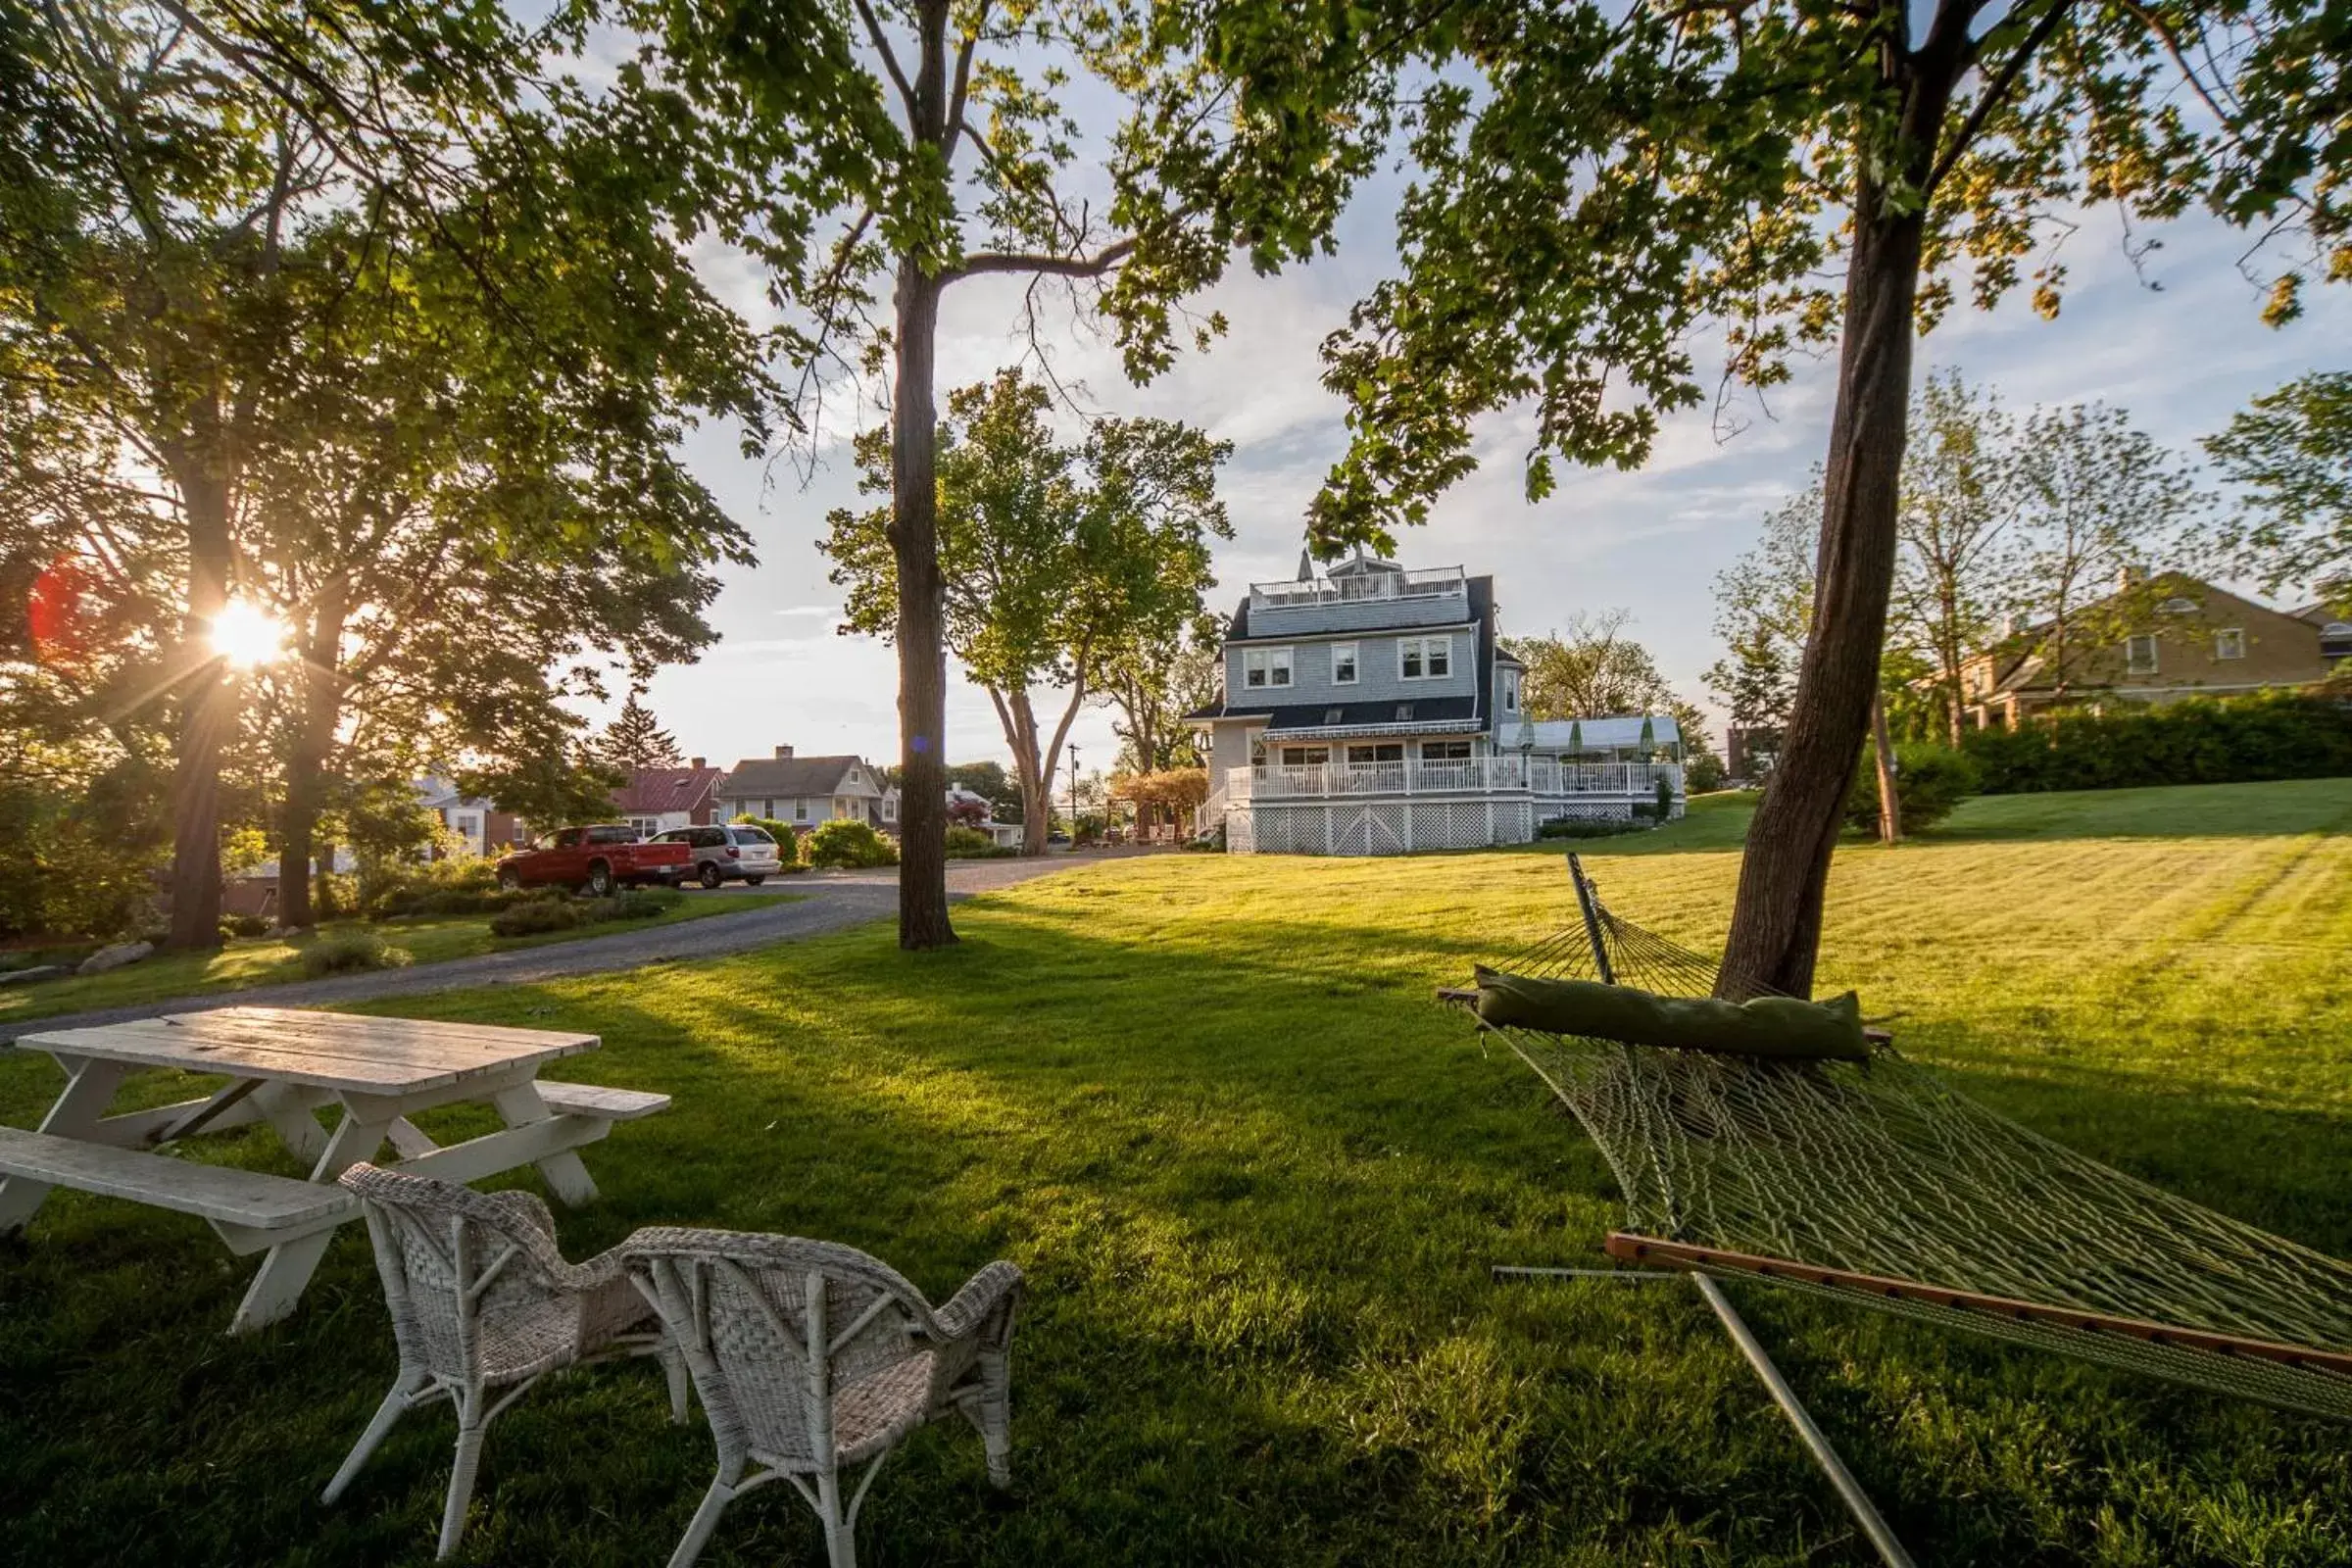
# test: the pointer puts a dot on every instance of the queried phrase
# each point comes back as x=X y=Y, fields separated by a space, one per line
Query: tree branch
x=963 y=81
x=1996 y=89
x=1094 y=266
x=890 y=62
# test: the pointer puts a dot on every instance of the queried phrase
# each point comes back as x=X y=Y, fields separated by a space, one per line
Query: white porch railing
x=1477 y=775
x=1444 y=582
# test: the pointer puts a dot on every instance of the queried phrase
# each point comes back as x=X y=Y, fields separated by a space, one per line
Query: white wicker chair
x=812 y=1358
x=482 y=1302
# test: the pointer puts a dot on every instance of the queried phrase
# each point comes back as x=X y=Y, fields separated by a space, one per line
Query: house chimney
x=694 y=763
x=2129 y=577
x=783 y=754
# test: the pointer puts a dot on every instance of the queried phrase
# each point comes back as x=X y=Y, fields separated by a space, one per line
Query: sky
x=2177 y=341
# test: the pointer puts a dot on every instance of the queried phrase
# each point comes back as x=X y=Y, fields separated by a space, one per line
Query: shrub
x=643 y=904
x=244 y=925
x=2199 y=740
x=1704 y=774
x=847 y=841
x=454 y=886
x=1929 y=781
x=1591 y=827
x=533 y=917
x=345 y=950
x=970 y=844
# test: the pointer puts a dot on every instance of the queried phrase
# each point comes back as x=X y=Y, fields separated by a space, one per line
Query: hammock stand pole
x=1817 y=1444
x=1849 y=1491
x=1591 y=912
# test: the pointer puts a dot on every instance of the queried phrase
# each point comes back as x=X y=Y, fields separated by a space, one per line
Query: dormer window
x=1404 y=713
x=1333 y=715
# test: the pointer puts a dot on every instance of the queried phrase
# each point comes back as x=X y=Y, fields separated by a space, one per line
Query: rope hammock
x=1877 y=1184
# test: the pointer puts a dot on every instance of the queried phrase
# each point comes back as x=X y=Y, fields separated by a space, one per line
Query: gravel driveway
x=833 y=901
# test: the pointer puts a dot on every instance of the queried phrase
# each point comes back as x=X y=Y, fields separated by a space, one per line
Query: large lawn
x=1256 y=1178
x=271 y=960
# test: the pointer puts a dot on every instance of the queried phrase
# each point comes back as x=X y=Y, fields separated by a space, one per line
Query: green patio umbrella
x=1649 y=738
x=1576 y=737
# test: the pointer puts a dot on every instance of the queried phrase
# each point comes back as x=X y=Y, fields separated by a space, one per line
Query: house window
x=889 y=808
x=1424 y=658
x=1445 y=751
x=800 y=811
x=2139 y=654
x=646 y=826
x=1380 y=752
x=467 y=828
x=1266 y=666
x=1305 y=755
x=1510 y=691
x=2180 y=606
x=1257 y=749
x=1342 y=663
x=2230 y=643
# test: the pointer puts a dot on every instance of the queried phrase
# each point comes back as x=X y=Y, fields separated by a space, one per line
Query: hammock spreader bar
x=1629 y=1247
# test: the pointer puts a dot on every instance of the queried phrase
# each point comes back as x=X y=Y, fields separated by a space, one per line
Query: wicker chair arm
x=984 y=1306
x=527 y=1207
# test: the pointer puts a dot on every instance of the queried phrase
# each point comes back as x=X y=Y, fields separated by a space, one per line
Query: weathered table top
x=333 y=1050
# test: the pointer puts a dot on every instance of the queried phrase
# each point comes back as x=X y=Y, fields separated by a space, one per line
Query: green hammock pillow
x=1779 y=1027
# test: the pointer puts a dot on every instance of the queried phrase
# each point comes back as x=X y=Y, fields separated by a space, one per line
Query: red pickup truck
x=601 y=859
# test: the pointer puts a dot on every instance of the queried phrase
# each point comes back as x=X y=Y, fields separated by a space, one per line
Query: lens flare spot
x=246 y=635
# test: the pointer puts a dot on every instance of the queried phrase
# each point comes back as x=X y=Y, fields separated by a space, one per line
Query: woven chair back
x=454 y=1260
x=775 y=1327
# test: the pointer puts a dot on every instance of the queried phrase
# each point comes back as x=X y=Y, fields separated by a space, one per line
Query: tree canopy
x=2291 y=453
x=283 y=330
x=1055 y=558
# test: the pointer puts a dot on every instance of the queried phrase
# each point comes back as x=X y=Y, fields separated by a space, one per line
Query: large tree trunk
x=207 y=711
x=914 y=540
x=1776 y=922
x=1032 y=775
x=306 y=762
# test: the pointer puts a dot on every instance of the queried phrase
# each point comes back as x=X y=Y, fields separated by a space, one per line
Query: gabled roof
x=788 y=776
x=658 y=791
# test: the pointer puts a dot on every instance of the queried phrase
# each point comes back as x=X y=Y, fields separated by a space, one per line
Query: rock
x=115 y=957
x=39 y=972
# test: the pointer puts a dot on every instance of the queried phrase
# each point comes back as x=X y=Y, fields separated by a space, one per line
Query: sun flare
x=245 y=634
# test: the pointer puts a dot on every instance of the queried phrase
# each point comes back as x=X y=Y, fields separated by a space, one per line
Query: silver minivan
x=726 y=853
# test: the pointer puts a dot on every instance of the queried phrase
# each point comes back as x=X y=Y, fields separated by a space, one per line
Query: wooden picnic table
x=284 y=1066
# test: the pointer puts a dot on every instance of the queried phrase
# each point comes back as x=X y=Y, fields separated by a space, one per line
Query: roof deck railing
x=1437 y=582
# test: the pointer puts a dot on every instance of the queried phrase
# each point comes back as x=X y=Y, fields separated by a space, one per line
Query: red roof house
x=657 y=799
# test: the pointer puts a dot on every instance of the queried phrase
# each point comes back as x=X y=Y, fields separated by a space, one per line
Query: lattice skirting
x=1388 y=827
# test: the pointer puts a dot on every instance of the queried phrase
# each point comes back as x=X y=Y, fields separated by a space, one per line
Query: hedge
x=2199 y=740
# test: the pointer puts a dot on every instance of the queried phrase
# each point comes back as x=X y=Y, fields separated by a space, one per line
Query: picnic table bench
x=284 y=1066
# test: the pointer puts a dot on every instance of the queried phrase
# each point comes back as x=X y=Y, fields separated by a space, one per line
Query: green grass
x=1255 y=1179
x=270 y=961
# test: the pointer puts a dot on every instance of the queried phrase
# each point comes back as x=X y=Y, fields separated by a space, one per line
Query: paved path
x=833 y=902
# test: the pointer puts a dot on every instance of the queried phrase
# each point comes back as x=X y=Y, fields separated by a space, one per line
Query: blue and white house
x=1372 y=710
